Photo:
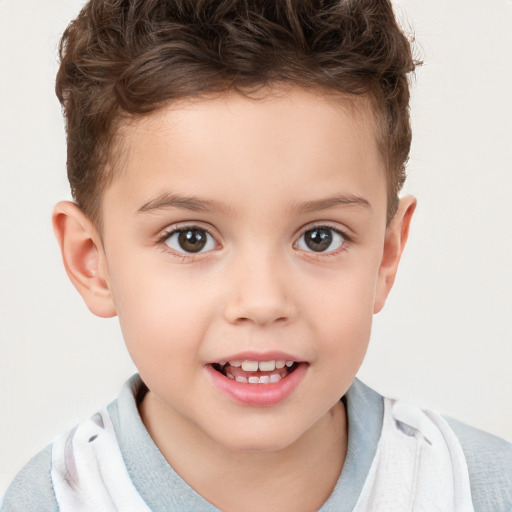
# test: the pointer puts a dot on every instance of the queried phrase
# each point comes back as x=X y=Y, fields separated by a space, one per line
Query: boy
x=235 y=167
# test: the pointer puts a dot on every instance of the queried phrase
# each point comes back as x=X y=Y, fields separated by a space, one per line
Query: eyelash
x=329 y=253
x=164 y=238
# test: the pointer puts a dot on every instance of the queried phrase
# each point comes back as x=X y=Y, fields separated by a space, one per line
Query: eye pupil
x=192 y=240
x=318 y=239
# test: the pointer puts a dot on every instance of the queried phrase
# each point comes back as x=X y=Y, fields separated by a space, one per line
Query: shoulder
x=34 y=487
x=488 y=457
x=31 y=489
x=489 y=460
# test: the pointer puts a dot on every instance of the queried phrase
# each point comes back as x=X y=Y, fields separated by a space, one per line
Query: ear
x=83 y=257
x=394 y=244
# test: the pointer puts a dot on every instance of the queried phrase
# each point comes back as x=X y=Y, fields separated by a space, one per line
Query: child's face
x=248 y=230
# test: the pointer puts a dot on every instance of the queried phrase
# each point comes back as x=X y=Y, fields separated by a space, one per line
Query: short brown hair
x=130 y=57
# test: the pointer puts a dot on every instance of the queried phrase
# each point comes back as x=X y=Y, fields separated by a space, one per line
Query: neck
x=236 y=480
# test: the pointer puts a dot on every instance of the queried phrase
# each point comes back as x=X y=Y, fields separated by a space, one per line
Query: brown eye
x=190 y=240
x=321 y=239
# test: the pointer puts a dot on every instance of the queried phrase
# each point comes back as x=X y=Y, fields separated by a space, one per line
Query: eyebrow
x=332 y=202
x=191 y=203
x=196 y=204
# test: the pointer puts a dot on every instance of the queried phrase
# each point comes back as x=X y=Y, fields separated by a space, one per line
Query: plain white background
x=444 y=338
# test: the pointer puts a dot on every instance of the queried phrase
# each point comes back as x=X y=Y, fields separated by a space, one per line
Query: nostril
x=261 y=320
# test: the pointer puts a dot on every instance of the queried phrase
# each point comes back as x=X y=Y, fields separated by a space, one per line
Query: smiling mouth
x=256 y=372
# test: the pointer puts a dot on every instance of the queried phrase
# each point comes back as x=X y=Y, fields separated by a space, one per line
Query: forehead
x=285 y=140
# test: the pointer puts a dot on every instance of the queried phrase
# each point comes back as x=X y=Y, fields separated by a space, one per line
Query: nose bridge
x=260 y=293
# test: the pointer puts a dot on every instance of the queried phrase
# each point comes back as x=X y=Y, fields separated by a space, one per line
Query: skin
x=261 y=173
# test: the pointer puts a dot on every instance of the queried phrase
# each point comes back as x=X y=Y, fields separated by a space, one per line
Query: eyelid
x=342 y=230
x=329 y=225
x=164 y=235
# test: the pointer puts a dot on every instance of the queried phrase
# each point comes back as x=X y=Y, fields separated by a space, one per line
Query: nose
x=260 y=293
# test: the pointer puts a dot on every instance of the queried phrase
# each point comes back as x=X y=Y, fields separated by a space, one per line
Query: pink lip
x=258 y=395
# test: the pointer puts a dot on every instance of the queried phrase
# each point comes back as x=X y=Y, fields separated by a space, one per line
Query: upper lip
x=274 y=355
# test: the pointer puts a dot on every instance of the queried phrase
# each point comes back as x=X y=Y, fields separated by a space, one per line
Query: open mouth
x=256 y=372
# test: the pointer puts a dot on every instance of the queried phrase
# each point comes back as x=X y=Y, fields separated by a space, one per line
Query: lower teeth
x=264 y=379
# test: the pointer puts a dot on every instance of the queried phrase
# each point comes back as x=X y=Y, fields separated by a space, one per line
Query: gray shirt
x=488 y=457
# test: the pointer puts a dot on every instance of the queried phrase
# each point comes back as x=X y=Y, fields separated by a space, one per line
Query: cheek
x=342 y=313
x=346 y=329
x=161 y=315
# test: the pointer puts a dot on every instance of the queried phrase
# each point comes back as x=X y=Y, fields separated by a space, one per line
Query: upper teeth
x=263 y=366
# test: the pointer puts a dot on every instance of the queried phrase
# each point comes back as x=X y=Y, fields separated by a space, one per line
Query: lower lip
x=258 y=395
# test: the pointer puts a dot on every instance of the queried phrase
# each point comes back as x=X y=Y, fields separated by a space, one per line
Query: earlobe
x=397 y=233
x=83 y=257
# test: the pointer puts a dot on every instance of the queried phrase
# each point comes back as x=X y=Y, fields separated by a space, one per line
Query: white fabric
x=88 y=471
x=419 y=465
